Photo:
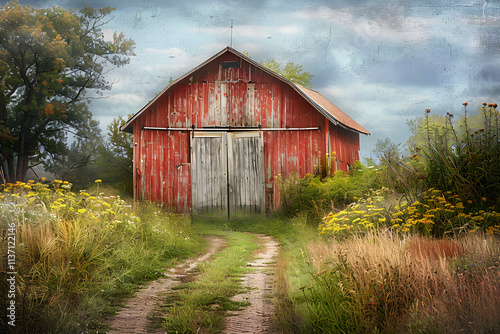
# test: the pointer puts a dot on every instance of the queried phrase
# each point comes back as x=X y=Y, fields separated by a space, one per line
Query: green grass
x=382 y=282
x=79 y=255
x=203 y=303
x=291 y=272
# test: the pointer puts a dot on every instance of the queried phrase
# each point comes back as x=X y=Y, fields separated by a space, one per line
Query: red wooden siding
x=237 y=97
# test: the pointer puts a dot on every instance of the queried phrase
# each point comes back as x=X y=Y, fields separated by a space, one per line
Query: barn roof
x=318 y=101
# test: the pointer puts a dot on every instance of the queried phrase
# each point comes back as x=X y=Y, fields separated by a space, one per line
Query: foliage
x=361 y=216
x=50 y=58
x=436 y=214
x=403 y=175
x=93 y=157
x=291 y=71
x=119 y=171
x=463 y=156
x=78 y=254
x=313 y=196
x=82 y=152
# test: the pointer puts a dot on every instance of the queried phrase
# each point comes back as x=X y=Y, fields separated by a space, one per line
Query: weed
x=313 y=195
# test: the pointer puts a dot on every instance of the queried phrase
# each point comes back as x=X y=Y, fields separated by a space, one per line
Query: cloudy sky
x=381 y=61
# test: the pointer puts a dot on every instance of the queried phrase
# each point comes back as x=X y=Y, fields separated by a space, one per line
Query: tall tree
x=49 y=59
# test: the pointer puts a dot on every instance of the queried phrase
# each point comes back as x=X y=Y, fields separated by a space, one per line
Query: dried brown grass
x=418 y=284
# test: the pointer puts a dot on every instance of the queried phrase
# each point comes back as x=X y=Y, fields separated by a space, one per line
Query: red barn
x=214 y=140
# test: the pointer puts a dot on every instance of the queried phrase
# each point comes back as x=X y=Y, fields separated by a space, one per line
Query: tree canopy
x=291 y=71
x=49 y=59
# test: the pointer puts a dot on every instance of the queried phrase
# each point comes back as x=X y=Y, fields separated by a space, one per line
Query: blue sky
x=381 y=62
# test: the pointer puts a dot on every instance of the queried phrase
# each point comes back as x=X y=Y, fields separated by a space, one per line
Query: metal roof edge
x=325 y=112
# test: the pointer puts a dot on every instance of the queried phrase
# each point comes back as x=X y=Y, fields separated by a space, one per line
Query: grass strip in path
x=200 y=306
x=259 y=281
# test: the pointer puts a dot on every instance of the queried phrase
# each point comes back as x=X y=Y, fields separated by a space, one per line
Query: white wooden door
x=227 y=171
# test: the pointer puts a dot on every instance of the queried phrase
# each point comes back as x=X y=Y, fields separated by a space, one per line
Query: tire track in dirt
x=258 y=316
x=135 y=317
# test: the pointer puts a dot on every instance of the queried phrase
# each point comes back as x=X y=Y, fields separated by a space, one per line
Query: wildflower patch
x=437 y=213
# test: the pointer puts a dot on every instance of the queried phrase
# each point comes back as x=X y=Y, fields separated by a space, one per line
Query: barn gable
x=215 y=139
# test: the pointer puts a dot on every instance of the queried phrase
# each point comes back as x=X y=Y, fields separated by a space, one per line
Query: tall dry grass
x=78 y=255
x=412 y=284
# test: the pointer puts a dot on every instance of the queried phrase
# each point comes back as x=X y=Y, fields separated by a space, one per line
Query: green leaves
x=49 y=58
x=291 y=71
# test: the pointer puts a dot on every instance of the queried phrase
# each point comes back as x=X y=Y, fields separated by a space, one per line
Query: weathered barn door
x=209 y=173
x=246 y=173
x=227 y=171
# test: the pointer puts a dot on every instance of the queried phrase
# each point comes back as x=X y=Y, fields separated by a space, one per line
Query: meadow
x=79 y=254
x=407 y=246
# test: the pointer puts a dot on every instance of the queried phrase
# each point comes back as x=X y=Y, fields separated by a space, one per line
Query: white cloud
x=343 y=16
x=128 y=97
x=172 y=52
x=252 y=30
x=371 y=28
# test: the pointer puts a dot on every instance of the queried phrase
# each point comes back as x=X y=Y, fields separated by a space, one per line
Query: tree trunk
x=22 y=155
x=22 y=168
x=12 y=171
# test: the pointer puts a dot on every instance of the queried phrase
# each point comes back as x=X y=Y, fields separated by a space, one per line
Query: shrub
x=313 y=196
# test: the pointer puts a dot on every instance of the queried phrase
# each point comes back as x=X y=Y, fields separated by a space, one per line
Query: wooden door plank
x=209 y=174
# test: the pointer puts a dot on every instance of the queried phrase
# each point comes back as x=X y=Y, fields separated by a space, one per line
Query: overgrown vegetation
x=79 y=254
x=408 y=246
x=313 y=196
x=382 y=282
x=49 y=59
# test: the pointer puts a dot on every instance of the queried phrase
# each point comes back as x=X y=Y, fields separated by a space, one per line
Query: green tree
x=291 y=71
x=70 y=164
x=49 y=59
x=120 y=152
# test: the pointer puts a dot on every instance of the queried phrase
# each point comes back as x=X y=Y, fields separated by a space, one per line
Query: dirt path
x=258 y=317
x=258 y=285
x=134 y=318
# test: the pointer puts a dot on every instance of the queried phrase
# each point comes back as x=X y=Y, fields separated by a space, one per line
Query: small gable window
x=231 y=64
